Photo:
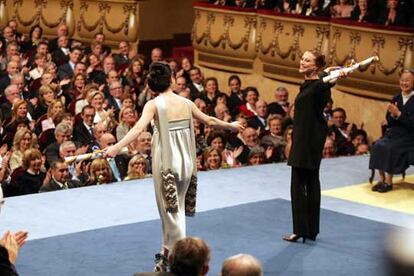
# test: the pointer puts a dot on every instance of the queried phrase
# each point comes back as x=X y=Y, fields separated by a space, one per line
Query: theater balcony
x=265 y=48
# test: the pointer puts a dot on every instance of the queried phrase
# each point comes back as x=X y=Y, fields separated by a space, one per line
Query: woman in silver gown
x=174 y=156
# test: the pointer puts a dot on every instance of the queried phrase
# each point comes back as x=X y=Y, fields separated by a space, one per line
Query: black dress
x=390 y=153
x=308 y=138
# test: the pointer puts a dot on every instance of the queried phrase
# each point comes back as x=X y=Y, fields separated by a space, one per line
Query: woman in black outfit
x=309 y=134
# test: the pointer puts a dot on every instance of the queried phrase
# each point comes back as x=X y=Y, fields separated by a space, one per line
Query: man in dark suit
x=11 y=94
x=119 y=164
x=61 y=55
x=63 y=132
x=100 y=38
x=114 y=100
x=259 y=121
x=83 y=132
x=196 y=84
x=66 y=71
x=343 y=131
x=62 y=30
x=281 y=105
x=60 y=178
x=99 y=76
x=11 y=69
x=236 y=95
x=122 y=59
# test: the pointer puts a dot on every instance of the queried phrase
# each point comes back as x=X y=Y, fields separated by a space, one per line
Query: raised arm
x=147 y=115
x=212 y=121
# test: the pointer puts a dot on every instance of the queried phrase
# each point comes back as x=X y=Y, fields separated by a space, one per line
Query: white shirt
x=405 y=98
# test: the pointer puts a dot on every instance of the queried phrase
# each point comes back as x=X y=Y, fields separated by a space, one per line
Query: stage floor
x=114 y=229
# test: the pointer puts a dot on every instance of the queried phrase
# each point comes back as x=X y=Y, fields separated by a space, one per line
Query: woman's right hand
x=112 y=151
x=236 y=126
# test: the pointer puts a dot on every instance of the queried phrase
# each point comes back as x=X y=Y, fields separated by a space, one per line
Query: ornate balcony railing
x=117 y=19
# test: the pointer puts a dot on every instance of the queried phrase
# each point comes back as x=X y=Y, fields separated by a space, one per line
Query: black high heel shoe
x=294 y=238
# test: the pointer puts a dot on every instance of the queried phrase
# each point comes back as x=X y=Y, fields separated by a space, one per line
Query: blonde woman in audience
x=82 y=99
x=23 y=140
x=137 y=167
x=55 y=108
x=127 y=119
x=100 y=172
x=46 y=95
x=96 y=99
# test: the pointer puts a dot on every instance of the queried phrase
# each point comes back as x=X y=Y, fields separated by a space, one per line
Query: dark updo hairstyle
x=159 y=76
x=319 y=58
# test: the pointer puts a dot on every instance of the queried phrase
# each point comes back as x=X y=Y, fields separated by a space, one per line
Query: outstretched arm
x=147 y=115
x=214 y=122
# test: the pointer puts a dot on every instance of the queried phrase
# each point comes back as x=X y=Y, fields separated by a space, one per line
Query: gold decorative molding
x=101 y=23
x=38 y=17
x=229 y=35
x=117 y=19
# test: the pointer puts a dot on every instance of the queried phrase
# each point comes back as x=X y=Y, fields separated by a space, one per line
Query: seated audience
x=212 y=159
x=100 y=172
x=251 y=95
x=256 y=156
x=137 y=168
x=23 y=140
x=365 y=11
x=259 y=121
x=32 y=178
x=60 y=178
x=127 y=119
x=389 y=155
x=329 y=150
x=236 y=98
x=190 y=256
x=241 y=265
x=118 y=164
x=342 y=9
x=343 y=131
x=281 y=104
x=397 y=13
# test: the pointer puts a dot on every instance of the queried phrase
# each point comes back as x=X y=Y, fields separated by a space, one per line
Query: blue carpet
x=348 y=245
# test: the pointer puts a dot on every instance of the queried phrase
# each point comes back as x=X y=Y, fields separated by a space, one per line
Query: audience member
x=137 y=167
x=241 y=265
x=32 y=178
x=60 y=178
x=190 y=257
x=100 y=172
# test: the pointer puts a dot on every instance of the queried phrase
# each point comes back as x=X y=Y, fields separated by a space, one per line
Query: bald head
x=107 y=139
x=241 y=265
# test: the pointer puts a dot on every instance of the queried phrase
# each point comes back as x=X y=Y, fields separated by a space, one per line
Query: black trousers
x=305 y=191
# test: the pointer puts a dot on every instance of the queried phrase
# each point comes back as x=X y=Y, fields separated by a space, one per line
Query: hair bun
x=159 y=76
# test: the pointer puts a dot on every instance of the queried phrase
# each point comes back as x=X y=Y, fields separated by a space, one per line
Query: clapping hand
x=393 y=110
x=13 y=243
